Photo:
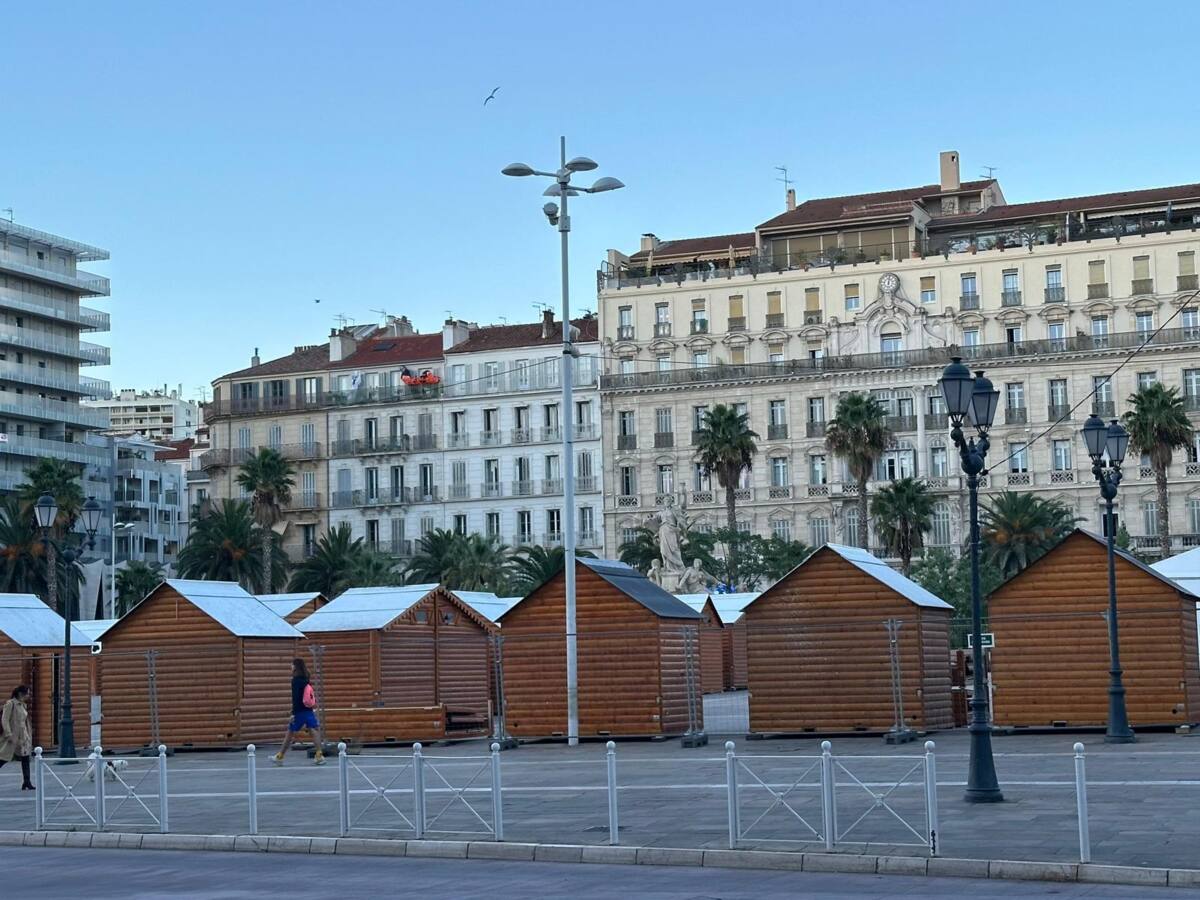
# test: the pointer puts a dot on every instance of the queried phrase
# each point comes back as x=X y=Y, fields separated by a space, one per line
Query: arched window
x=939 y=533
x=818 y=531
x=852 y=526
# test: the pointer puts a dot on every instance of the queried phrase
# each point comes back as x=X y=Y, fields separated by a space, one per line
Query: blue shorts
x=300 y=721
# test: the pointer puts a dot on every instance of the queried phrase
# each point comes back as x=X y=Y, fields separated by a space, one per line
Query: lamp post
x=46 y=512
x=973 y=399
x=1106 y=445
x=112 y=560
x=562 y=189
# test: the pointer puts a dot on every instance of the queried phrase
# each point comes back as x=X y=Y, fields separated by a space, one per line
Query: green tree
x=1158 y=426
x=1017 y=527
x=267 y=477
x=329 y=568
x=725 y=447
x=62 y=481
x=434 y=557
x=134 y=582
x=858 y=433
x=742 y=566
x=24 y=557
x=903 y=512
x=226 y=545
x=949 y=577
x=533 y=565
x=480 y=564
x=779 y=557
x=372 y=569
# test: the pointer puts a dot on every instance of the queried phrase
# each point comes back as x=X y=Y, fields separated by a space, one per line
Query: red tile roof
x=303 y=359
x=856 y=206
x=180 y=449
x=384 y=350
x=717 y=243
x=1115 y=201
x=501 y=337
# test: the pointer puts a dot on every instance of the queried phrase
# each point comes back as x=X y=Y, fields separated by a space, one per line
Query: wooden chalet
x=293 y=608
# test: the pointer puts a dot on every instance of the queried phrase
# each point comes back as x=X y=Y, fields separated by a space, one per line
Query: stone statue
x=669 y=527
x=694 y=580
x=655 y=574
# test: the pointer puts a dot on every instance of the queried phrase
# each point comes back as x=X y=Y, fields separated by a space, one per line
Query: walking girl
x=16 y=734
x=304 y=716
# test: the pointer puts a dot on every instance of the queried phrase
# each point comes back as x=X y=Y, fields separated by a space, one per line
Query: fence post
x=732 y=794
x=162 y=788
x=343 y=790
x=1081 y=809
x=931 y=803
x=614 y=829
x=98 y=774
x=39 y=782
x=418 y=766
x=497 y=795
x=252 y=787
x=828 y=795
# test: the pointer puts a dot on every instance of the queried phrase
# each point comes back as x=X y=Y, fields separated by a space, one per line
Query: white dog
x=111 y=768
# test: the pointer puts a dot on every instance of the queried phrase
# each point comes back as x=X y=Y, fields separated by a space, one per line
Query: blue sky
x=241 y=159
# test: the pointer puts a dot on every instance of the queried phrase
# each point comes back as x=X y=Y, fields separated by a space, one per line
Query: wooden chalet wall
x=630 y=663
x=37 y=667
x=818 y=655
x=736 y=651
x=712 y=651
x=302 y=612
x=1050 y=662
x=266 y=688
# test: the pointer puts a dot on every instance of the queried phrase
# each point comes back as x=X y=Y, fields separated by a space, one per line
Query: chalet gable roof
x=28 y=622
x=233 y=608
x=633 y=584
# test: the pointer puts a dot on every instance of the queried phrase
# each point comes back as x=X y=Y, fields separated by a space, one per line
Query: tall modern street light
x=562 y=189
x=46 y=512
x=1106 y=445
x=974 y=400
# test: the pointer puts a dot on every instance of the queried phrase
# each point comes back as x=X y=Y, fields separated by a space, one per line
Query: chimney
x=649 y=242
x=401 y=327
x=341 y=344
x=454 y=332
x=948 y=165
x=254 y=360
x=547 y=322
x=791 y=199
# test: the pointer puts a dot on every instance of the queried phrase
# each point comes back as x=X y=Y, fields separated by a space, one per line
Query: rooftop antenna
x=203 y=389
x=342 y=319
x=991 y=172
x=783 y=176
x=503 y=319
x=9 y=211
x=382 y=312
x=539 y=305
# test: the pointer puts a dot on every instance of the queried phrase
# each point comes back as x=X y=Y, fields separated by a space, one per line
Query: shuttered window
x=1141 y=267
x=812 y=299
x=774 y=303
x=736 y=307
x=1096 y=271
x=1187 y=262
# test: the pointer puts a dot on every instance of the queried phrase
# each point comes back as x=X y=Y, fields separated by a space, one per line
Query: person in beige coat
x=16 y=735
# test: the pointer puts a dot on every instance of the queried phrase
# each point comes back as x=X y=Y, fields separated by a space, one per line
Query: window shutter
x=812 y=299
x=1187 y=262
x=1096 y=271
x=1141 y=267
x=774 y=303
x=736 y=307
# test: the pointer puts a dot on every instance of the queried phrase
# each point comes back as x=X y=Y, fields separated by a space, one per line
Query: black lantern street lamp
x=1106 y=445
x=46 y=512
x=973 y=399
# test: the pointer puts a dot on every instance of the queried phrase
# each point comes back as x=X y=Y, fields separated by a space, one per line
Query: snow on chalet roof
x=729 y=607
x=283 y=605
x=28 y=622
x=365 y=609
x=234 y=609
x=882 y=572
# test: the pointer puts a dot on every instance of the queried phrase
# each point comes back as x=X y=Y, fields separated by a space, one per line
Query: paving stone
x=322 y=845
x=106 y=839
x=902 y=865
x=957 y=868
x=669 y=856
x=1121 y=874
x=173 y=841
x=129 y=841
x=251 y=843
x=34 y=839
x=616 y=855
x=56 y=838
x=78 y=839
x=285 y=844
x=1183 y=877
x=499 y=850
x=371 y=847
x=439 y=849
x=754 y=859
x=567 y=853
x=838 y=862
x=12 y=838
x=1033 y=871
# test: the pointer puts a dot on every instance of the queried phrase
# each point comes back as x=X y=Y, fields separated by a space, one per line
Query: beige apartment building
x=875 y=292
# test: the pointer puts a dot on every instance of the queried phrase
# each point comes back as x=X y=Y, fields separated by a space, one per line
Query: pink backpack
x=309 y=697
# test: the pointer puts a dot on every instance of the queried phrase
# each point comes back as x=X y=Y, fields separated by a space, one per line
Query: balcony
x=1105 y=409
x=54 y=379
x=459 y=492
x=815 y=429
x=1016 y=415
x=699 y=326
x=489 y=439
x=702 y=496
x=775 y=432
x=551 y=486
x=779 y=492
x=1010 y=298
x=69 y=348
x=79 y=280
x=522 y=488
x=662 y=329
x=304 y=500
x=54 y=310
x=521 y=435
x=62 y=411
x=491 y=490
x=1057 y=412
x=1019 y=479
x=1186 y=282
x=551 y=539
x=299 y=451
x=1098 y=291
x=589 y=539
x=818 y=490
x=392 y=444
x=215 y=459
x=626 y=441
x=585 y=431
x=587 y=484
x=551 y=434
x=968 y=301
x=937 y=421
x=628 y=501
x=458 y=440
x=743 y=494
x=424 y=441
x=197 y=475
x=775 y=320
x=345 y=499
x=1056 y=294
x=426 y=494
x=625 y=333
x=810 y=318
x=1062 y=476
x=736 y=323
x=1191 y=402
x=664 y=440
x=901 y=423
x=1141 y=286
x=396 y=548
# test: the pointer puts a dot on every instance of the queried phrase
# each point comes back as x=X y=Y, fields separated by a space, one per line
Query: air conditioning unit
x=812 y=319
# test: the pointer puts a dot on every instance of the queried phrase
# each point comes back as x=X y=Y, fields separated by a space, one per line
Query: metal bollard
x=731 y=786
x=162 y=788
x=343 y=790
x=614 y=828
x=39 y=782
x=252 y=787
x=931 y=803
x=97 y=763
x=1081 y=809
x=828 y=795
x=497 y=796
x=418 y=792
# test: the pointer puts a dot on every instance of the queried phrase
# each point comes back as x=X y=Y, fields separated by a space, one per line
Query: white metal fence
x=77 y=794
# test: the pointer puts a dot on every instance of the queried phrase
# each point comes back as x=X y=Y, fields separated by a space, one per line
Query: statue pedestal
x=670 y=581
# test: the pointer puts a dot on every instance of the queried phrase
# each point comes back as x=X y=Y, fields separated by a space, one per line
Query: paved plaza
x=1144 y=798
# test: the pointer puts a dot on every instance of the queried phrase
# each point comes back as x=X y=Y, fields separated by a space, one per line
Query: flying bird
x=491 y=96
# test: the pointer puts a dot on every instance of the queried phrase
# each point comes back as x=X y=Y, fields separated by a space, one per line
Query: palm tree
x=371 y=569
x=134 y=582
x=21 y=552
x=479 y=564
x=725 y=448
x=434 y=557
x=226 y=545
x=329 y=570
x=1017 y=527
x=267 y=477
x=1158 y=426
x=533 y=565
x=903 y=512
x=858 y=433
x=61 y=481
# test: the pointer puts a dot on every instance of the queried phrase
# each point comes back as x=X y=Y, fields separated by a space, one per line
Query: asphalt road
x=134 y=874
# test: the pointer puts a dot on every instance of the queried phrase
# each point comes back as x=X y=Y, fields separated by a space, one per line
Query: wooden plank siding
x=37 y=668
x=738 y=664
x=630 y=663
x=818 y=656
x=1051 y=659
x=712 y=650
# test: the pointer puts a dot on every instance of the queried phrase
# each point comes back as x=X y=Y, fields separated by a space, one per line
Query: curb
x=859 y=864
